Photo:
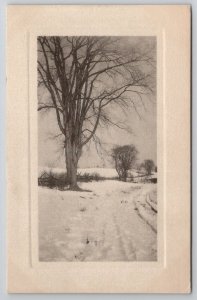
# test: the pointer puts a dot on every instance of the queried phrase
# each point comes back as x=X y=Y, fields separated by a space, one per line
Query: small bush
x=88 y=177
x=131 y=178
x=53 y=180
x=96 y=176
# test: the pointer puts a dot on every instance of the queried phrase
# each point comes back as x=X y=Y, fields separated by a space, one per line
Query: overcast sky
x=142 y=124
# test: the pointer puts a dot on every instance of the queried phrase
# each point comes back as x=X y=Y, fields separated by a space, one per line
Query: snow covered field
x=113 y=222
x=103 y=172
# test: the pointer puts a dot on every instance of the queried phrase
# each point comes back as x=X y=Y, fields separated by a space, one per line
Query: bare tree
x=149 y=166
x=124 y=158
x=83 y=76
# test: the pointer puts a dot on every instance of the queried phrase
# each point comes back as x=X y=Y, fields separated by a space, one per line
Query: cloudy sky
x=142 y=133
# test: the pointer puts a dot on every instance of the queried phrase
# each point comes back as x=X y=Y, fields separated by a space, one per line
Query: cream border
x=171 y=24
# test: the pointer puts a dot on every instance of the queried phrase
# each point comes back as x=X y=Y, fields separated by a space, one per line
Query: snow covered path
x=102 y=225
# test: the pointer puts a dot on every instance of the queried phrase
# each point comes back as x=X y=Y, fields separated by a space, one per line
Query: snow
x=102 y=225
x=48 y=169
x=103 y=172
x=147 y=207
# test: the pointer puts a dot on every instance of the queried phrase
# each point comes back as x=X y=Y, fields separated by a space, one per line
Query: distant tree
x=124 y=158
x=149 y=166
x=138 y=168
x=156 y=169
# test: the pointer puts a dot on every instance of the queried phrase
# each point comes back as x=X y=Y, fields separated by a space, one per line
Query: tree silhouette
x=124 y=157
x=149 y=166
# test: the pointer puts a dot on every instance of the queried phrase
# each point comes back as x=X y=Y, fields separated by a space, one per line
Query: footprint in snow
x=67 y=229
x=125 y=192
x=82 y=209
x=123 y=201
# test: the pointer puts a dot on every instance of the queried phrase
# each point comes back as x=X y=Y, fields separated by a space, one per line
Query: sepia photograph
x=97 y=148
x=98 y=174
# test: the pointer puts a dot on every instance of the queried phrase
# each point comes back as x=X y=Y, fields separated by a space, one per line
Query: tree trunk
x=71 y=166
x=73 y=177
x=124 y=177
x=68 y=168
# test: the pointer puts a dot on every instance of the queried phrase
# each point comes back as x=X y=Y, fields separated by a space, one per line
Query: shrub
x=52 y=180
x=88 y=177
x=124 y=158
